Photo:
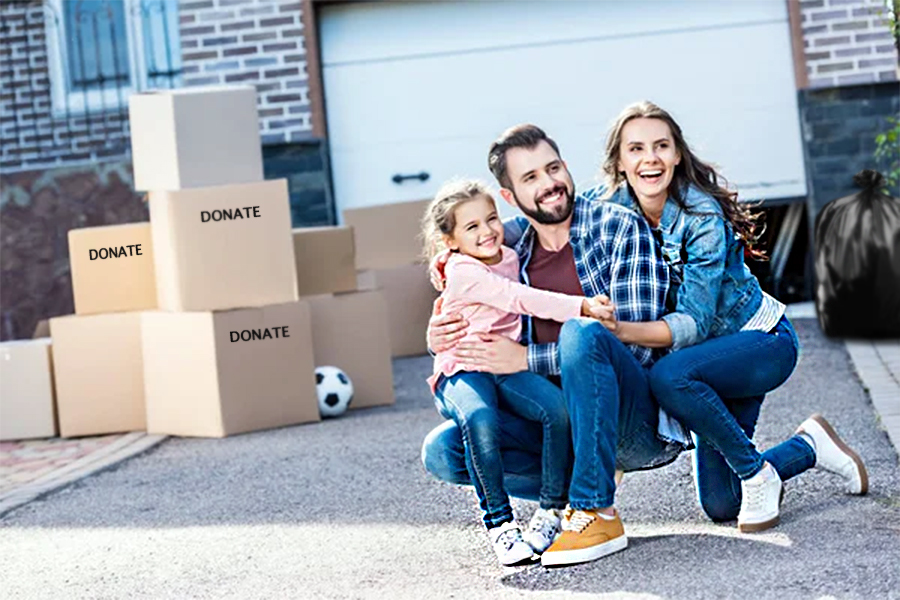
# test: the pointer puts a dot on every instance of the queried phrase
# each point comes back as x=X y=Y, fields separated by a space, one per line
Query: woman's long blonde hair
x=691 y=170
x=440 y=216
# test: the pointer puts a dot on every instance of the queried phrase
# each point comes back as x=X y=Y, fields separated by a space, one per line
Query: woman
x=730 y=342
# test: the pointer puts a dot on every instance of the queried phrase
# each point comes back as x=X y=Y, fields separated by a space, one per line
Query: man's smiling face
x=541 y=183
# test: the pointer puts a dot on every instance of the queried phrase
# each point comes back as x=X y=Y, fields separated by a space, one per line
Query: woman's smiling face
x=648 y=157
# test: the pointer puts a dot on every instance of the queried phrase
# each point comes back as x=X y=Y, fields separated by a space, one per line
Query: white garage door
x=424 y=87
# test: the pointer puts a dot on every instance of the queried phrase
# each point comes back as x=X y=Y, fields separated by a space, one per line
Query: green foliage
x=887 y=153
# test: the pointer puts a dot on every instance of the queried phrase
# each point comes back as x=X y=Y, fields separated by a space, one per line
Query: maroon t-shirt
x=554 y=272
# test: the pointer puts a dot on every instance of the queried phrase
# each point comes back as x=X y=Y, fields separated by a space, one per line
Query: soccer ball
x=335 y=391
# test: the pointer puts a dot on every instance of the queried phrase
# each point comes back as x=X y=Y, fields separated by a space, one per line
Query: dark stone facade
x=305 y=166
x=839 y=129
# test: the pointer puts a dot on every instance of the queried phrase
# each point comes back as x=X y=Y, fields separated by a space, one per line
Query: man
x=581 y=247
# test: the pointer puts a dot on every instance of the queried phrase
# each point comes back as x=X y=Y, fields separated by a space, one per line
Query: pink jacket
x=491 y=299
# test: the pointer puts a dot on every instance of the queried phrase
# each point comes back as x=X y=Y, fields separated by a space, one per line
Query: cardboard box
x=325 y=260
x=410 y=299
x=99 y=374
x=218 y=248
x=218 y=373
x=42 y=329
x=27 y=408
x=195 y=137
x=112 y=268
x=350 y=332
x=387 y=236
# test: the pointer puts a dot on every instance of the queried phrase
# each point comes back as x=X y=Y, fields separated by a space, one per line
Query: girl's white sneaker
x=543 y=529
x=508 y=544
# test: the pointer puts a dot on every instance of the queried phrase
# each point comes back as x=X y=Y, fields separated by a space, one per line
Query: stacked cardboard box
x=389 y=258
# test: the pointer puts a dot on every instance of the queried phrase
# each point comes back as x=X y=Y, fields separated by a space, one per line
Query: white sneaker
x=760 y=497
x=543 y=529
x=507 y=540
x=833 y=455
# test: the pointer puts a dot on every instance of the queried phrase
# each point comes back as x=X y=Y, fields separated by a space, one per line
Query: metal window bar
x=42 y=129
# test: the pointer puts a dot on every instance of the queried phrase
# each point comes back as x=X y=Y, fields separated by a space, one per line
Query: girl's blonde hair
x=440 y=217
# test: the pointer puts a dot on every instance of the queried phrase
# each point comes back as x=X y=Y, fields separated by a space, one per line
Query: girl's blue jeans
x=473 y=401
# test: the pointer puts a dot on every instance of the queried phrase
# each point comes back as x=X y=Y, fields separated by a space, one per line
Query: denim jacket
x=712 y=291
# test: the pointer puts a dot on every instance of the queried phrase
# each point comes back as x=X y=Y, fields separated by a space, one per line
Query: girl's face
x=478 y=232
x=648 y=156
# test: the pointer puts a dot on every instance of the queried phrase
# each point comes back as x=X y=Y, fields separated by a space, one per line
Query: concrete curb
x=128 y=446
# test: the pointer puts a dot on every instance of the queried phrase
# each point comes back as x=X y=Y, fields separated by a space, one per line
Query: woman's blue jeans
x=716 y=389
x=473 y=402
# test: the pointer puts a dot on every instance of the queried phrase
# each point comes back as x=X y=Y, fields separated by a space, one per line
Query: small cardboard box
x=325 y=260
x=195 y=137
x=112 y=268
x=27 y=408
x=218 y=373
x=410 y=299
x=99 y=373
x=350 y=332
x=218 y=248
x=387 y=236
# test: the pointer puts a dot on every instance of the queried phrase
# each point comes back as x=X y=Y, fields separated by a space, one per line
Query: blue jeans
x=614 y=430
x=473 y=400
x=716 y=389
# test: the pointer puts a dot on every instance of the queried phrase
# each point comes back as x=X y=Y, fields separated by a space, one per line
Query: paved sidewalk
x=31 y=468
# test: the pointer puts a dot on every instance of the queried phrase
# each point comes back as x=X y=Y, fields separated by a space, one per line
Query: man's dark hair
x=521 y=136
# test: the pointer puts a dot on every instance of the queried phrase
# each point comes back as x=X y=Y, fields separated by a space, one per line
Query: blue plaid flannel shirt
x=616 y=255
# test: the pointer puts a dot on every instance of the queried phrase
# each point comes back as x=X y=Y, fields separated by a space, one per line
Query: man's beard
x=545 y=217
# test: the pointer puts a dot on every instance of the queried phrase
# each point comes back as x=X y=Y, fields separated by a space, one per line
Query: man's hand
x=444 y=331
x=493 y=354
x=436 y=270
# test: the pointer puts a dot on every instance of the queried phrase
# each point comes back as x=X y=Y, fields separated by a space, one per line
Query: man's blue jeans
x=613 y=429
x=473 y=400
x=716 y=389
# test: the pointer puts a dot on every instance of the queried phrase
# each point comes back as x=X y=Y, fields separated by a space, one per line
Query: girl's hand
x=436 y=270
x=598 y=307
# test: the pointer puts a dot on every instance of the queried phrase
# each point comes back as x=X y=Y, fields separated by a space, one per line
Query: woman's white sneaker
x=759 y=500
x=835 y=456
x=507 y=541
x=543 y=529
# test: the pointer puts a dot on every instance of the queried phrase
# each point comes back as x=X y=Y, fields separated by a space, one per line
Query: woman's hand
x=436 y=270
x=445 y=331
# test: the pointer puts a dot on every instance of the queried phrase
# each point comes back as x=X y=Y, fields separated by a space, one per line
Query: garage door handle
x=398 y=178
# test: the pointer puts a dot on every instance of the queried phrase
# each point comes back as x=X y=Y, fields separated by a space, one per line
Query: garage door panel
x=440 y=113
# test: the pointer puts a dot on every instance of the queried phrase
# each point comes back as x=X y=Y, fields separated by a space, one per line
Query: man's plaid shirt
x=615 y=255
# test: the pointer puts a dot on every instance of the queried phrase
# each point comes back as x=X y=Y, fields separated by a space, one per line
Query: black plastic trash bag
x=858 y=263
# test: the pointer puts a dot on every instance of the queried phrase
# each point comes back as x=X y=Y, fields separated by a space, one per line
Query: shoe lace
x=578 y=520
x=509 y=537
x=756 y=496
x=544 y=525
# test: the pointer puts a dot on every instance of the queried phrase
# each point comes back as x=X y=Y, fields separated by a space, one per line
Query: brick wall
x=252 y=41
x=31 y=136
x=847 y=42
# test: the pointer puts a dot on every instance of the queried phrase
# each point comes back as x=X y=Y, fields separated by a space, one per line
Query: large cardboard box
x=99 y=373
x=195 y=137
x=224 y=247
x=350 y=332
x=218 y=373
x=388 y=235
x=112 y=268
x=410 y=299
x=325 y=260
x=27 y=408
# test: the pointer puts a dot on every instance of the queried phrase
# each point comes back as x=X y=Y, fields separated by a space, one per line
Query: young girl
x=482 y=284
x=731 y=342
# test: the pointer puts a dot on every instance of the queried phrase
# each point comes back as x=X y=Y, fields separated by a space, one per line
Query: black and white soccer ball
x=335 y=391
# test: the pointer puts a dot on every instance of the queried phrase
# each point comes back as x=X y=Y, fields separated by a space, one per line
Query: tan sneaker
x=586 y=536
